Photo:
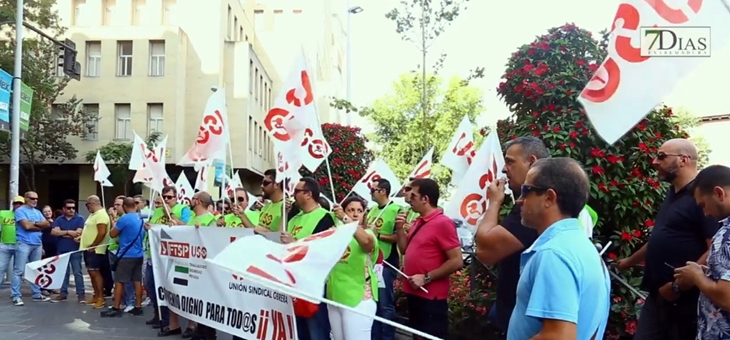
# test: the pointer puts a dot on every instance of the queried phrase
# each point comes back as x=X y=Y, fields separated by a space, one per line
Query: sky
x=485 y=35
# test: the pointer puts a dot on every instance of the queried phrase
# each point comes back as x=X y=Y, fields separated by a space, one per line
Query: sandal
x=189 y=332
x=167 y=332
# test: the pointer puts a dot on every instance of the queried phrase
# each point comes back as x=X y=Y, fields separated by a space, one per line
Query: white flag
x=201 y=180
x=303 y=265
x=632 y=81
x=48 y=273
x=470 y=200
x=101 y=171
x=377 y=170
x=213 y=132
x=423 y=169
x=184 y=189
x=461 y=150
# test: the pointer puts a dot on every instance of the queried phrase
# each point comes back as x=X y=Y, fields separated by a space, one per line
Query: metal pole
x=348 y=115
x=15 y=116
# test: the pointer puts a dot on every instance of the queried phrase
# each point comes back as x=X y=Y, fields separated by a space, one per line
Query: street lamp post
x=350 y=11
x=15 y=117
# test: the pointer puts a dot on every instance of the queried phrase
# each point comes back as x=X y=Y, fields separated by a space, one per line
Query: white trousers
x=347 y=325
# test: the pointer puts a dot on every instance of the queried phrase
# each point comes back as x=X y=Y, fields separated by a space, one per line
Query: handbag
x=121 y=254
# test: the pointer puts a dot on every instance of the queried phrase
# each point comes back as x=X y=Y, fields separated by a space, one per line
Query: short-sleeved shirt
x=429 y=238
x=131 y=233
x=680 y=234
x=186 y=214
x=509 y=267
x=712 y=321
x=563 y=278
x=65 y=244
x=91 y=231
x=32 y=215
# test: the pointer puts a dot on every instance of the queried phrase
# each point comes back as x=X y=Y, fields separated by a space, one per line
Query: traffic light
x=67 y=60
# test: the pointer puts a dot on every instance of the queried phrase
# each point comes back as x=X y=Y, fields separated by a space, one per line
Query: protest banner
x=193 y=289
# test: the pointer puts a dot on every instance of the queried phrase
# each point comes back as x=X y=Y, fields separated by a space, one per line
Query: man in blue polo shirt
x=29 y=224
x=68 y=229
x=564 y=288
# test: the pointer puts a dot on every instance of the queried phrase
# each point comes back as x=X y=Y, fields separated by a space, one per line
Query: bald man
x=29 y=223
x=94 y=239
x=681 y=233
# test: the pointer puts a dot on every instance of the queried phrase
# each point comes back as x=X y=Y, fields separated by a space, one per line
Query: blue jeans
x=7 y=252
x=74 y=267
x=316 y=327
x=386 y=307
x=128 y=297
x=24 y=254
x=149 y=286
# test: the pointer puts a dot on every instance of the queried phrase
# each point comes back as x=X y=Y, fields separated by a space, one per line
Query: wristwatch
x=427 y=279
x=675 y=288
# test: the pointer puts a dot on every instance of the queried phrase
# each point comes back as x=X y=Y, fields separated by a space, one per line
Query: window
x=124 y=65
x=258 y=19
x=255 y=137
x=107 y=15
x=250 y=76
x=235 y=24
x=123 y=117
x=228 y=23
x=154 y=114
x=168 y=15
x=240 y=34
x=77 y=18
x=92 y=123
x=250 y=132
x=93 y=58
x=138 y=12
x=157 y=58
x=271 y=100
x=266 y=98
x=261 y=139
x=56 y=112
x=261 y=89
x=256 y=89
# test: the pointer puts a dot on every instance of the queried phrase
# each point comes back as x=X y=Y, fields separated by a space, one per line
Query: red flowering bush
x=349 y=160
x=541 y=87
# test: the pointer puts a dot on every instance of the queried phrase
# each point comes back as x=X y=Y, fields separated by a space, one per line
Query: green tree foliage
x=403 y=138
x=50 y=129
x=348 y=161
x=117 y=156
x=541 y=85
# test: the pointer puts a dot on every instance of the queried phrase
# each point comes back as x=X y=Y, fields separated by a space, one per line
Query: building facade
x=287 y=27
x=150 y=65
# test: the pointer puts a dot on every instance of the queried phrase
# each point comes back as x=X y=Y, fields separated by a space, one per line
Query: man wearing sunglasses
x=8 y=238
x=681 y=234
x=29 y=224
x=270 y=213
x=235 y=207
x=564 y=282
x=410 y=213
x=382 y=219
x=68 y=229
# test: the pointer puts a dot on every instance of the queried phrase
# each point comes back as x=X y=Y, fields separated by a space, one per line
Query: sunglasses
x=266 y=182
x=526 y=189
x=137 y=202
x=296 y=191
x=407 y=189
x=373 y=190
x=662 y=156
x=17 y=203
x=168 y=197
x=70 y=208
x=240 y=199
x=32 y=198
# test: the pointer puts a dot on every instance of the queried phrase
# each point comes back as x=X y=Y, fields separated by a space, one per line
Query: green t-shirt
x=302 y=225
x=7 y=229
x=235 y=221
x=114 y=242
x=270 y=216
x=347 y=280
x=206 y=220
x=160 y=217
x=385 y=223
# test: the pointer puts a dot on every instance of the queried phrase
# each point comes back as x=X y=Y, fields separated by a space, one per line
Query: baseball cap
x=19 y=199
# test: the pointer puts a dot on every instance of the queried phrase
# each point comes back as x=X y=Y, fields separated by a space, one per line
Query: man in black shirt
x=502 y=243
x=681 y=233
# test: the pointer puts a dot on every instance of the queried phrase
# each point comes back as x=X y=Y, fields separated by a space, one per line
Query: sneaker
x=46 y=292
x=59 y=298
x=146 y=302
x=111 y=313
x=18 y=301
x=41 y=298
x=81 y=299
x=101 y=303
x=128 y=308
x=136 y=311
